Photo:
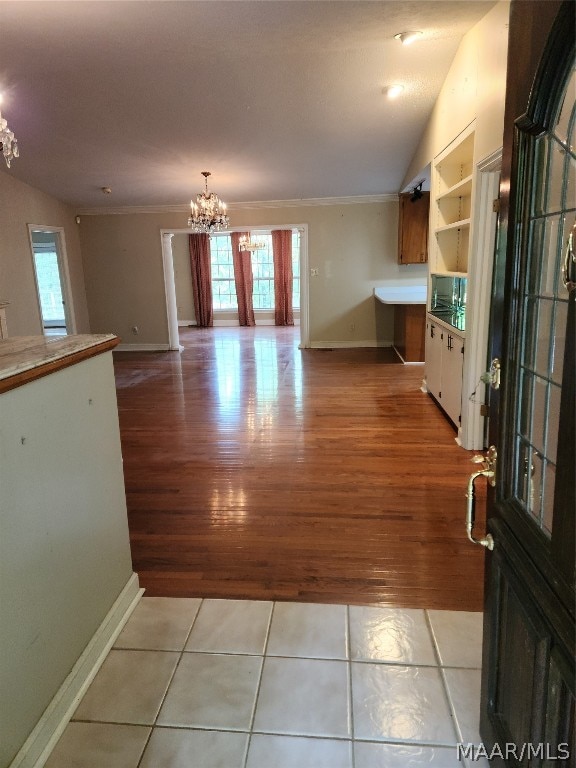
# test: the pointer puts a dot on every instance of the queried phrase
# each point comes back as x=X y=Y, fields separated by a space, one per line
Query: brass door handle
x=488 y=470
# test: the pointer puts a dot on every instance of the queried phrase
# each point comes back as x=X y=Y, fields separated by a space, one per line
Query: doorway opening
x=52 y=280
x=178 y=280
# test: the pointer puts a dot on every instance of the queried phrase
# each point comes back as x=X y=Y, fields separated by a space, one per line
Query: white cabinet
x=444 y=364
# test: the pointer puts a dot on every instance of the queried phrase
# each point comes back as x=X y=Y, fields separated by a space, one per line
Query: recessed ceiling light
x=393 y=91
x=407 y=37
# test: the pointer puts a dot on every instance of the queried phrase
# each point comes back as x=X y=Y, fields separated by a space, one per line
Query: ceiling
x=280 y=100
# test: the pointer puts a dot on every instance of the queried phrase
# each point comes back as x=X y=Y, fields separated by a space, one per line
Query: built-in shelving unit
x=451 y=203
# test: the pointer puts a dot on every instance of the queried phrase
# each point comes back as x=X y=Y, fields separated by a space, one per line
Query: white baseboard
x=37 y=748
x=349 y=344
x=407 y=362
x=142 y=348
x=186 y=323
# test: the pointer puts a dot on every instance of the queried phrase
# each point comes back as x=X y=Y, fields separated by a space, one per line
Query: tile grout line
x=252 y=719
x=180 y=657
x=350 y=691
x=447 y=697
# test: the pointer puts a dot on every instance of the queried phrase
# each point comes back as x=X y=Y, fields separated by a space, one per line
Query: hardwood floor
x=260 y=471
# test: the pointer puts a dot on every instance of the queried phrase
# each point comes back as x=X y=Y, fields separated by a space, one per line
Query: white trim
x=170 y=290
x=184 y=208
x=37 y=748
x=60 y=239
x=145 y=348
x=186 y=323
x=480 y=270
x=349 y=344
x=407 y=362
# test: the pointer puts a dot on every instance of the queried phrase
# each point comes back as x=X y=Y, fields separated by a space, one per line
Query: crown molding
x=303 y=203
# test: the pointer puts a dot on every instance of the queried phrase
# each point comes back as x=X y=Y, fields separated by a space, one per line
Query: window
x=223 y=286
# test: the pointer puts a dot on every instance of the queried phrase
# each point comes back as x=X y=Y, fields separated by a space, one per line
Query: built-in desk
x=409 y=303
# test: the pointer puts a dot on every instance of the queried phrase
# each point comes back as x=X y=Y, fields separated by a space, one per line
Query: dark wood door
x=528 y=689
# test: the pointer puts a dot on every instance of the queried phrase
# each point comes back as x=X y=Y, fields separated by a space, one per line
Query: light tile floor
x=196 y=683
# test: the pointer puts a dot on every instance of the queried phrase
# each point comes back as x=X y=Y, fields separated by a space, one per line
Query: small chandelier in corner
x=208 y=213
x=8 y=142
x=246 y=244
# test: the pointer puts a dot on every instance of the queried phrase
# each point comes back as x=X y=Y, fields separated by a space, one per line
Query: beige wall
x=183 y=278
x=21 y=205
x=473 y=90
x=352 y=246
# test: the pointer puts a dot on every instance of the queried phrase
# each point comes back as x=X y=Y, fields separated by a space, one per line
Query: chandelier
x=246 y=244
x=8 y=143
x=208 y=213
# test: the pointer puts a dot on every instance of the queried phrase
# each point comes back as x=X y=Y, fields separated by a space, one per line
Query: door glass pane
x=544 y=304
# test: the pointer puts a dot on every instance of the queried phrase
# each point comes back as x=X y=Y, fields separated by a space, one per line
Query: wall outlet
x=352 y=327
x=314 y=272
x=135 y=330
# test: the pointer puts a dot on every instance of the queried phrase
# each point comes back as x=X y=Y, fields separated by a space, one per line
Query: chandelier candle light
x=246 y=244
x=8 y=143
x=208 y=213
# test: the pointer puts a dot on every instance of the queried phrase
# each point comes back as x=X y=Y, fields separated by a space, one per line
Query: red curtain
x=201 y=278
x=244 y=280
x=282 y=253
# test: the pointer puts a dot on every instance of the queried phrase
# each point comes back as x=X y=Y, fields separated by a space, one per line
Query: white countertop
x=401 y=294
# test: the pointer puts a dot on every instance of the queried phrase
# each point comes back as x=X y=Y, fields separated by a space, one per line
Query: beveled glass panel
x=555 y=176
x=551 y=248
x=568 y=223
x=543 y=337
x=537 y=235
x=523 y=471
x=548 y=497
x=535 y=501
x=539 y=413
x=566 y=116
x=560 y=326
x=553 y=422
x=570 y=182
x=531 y=332
x=540 y=175
x=526 y=405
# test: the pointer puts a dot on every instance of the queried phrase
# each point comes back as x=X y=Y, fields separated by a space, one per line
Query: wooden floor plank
x=257 y=470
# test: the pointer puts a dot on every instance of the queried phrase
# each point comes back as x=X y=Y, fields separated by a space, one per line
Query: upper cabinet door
x=413 y=229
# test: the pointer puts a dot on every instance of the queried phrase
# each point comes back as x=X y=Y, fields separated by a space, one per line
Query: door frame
x=62 y=256
x=170 y=285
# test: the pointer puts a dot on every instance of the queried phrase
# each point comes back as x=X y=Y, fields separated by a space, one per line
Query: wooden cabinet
x=444 y=365
x=413 y=229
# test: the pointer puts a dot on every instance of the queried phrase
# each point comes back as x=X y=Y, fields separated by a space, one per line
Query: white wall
x=64 y=547
x=21 y=205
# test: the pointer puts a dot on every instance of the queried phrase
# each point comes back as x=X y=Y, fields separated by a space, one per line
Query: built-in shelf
x=462 y=224
x=461 y=189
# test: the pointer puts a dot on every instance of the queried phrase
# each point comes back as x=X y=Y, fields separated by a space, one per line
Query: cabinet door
x=413 y=229
x=451 y=385
x=434 y=342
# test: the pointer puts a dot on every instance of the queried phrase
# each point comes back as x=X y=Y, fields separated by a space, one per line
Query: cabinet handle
x=450 y=340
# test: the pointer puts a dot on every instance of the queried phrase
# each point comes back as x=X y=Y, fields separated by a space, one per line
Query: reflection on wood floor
x=260 y=471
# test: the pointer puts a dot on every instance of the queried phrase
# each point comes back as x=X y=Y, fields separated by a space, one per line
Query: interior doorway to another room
x=52 y=281
x=178 y=279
